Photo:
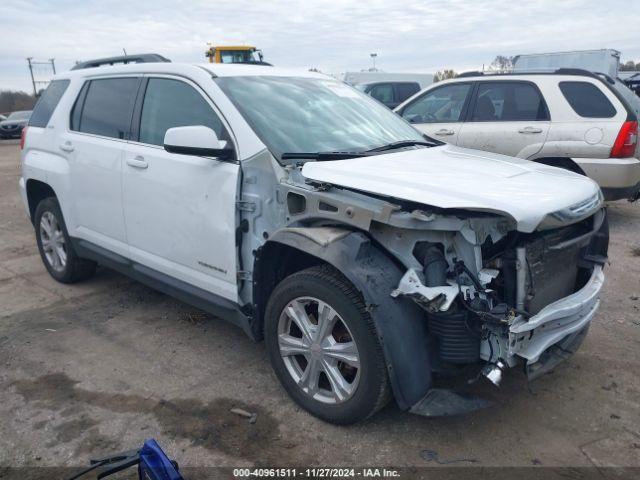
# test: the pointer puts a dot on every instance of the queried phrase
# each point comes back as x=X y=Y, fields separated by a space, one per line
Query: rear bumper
x=619 y=178
x=531 y=338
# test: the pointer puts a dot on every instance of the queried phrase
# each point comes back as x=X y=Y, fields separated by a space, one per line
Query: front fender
x=400 y=324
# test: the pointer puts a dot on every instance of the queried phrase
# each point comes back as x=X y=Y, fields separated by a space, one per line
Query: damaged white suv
x=372 y=260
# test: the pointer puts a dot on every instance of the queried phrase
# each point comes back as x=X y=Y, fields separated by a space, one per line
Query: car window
x=172 y=103
x=587 y=100
x=508 y=102
x=444 y=104
x=383 y=92
x=405 y=90
x=21 y=115
x=107 y=107
x=47 y=103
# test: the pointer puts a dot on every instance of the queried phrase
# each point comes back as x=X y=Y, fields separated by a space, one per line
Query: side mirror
x=196 y=140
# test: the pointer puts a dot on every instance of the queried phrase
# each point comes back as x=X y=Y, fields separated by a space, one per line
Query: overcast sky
x=332 y=35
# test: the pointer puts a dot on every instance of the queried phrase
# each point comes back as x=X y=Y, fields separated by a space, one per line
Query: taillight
x=625 y=144
x=23 y=136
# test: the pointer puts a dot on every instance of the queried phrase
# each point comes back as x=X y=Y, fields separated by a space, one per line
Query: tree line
x=11 y=101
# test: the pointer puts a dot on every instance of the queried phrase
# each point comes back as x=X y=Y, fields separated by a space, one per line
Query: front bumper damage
x=541 y=341
x=530 y=338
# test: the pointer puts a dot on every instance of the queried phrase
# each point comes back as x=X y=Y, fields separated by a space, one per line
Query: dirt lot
x=100 y=366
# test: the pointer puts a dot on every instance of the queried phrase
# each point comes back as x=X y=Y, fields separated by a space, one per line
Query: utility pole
x=48 y=64
x=33 y=81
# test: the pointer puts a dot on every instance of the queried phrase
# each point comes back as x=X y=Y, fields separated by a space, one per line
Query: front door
x=180 y=212
x=439 y=113
x=507 y=117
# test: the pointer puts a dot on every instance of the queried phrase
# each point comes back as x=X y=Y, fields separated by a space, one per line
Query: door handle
x=530 y=130
x=67 y=146
x=445 y=131
x=137 y=162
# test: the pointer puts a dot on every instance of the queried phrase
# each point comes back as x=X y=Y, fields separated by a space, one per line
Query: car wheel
x=323 y=346
x=55 y=247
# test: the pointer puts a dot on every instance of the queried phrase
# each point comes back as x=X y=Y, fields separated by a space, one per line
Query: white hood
x=452 y=177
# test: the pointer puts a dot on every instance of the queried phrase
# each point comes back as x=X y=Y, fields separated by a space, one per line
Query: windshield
x=239 y=56
x=19 y=115
x=295 y=114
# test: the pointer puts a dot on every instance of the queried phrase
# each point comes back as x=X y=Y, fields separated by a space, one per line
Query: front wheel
x=323 y=346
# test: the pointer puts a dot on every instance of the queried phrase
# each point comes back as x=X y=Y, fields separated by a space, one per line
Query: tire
x=347 y=390
x=55 y=247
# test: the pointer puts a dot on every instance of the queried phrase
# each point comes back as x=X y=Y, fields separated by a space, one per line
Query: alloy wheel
x=53 y=242
x=318 y=350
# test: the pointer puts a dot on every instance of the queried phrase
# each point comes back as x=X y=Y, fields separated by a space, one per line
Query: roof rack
x=470 y=74
x=558 y=71
x=123 y=59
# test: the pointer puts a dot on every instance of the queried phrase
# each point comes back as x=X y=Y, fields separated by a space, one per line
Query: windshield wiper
x=320 y=156
x=402 y=144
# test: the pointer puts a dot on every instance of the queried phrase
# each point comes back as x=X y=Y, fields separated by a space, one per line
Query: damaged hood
x=452 y=177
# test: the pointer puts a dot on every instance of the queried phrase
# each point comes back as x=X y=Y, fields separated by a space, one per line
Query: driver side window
x=442 y=105
x=172 y=103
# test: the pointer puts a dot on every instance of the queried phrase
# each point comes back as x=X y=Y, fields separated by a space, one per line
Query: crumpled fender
x=400 y=323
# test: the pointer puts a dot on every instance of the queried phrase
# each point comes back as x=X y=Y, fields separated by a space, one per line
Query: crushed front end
x=497 y=298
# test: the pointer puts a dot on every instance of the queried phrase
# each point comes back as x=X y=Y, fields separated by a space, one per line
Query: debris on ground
x=253 y=417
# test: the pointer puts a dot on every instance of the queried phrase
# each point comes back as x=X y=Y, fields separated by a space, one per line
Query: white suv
x=570 y=118
x=310 y=215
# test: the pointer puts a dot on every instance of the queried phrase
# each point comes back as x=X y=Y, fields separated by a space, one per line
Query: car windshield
x=239 y=56
x=19 y=115
x=296 y=114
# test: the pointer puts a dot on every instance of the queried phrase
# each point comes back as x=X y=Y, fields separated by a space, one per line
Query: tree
x=11 y=101
x=502 y=63
x=629 y=66
x=444 y=75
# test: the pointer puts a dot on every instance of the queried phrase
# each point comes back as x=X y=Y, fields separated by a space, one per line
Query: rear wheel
x=323 y=346
x=55 y=247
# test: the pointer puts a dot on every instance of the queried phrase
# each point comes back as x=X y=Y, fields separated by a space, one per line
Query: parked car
x=571 y=119
x=13 y=125
x=368 y=258
x=391 y=94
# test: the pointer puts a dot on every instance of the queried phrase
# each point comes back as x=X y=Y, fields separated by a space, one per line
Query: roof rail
x=469 y=74
x=123 y=59
x=574 y=71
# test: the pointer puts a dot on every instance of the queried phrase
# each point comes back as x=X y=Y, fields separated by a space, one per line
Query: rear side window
x=405 y=90
x=47 y=103
x=441 y=105
x=105 y=107
x=383 y=93
x=508 y=102
x=587 y=100
x=172 y=103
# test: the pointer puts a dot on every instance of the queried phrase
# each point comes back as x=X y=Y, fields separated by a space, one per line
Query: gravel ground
x=100 y=366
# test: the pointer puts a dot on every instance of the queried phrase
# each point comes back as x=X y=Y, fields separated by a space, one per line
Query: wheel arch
x=400 y=324
x=37 y=191
x=561 y=162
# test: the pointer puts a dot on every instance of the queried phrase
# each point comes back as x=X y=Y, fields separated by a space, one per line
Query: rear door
x=440 y=111
x=94 y=146
x=507 y=117
x=180 y=210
